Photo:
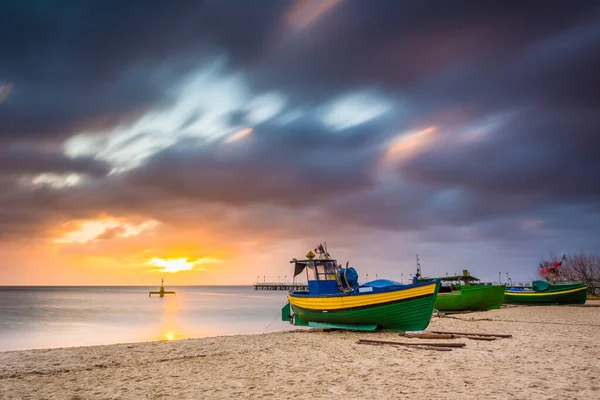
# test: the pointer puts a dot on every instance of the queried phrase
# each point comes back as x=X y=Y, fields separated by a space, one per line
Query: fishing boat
x=462 y=295
x=335 y=299
x=544 y=292
x=470 y=298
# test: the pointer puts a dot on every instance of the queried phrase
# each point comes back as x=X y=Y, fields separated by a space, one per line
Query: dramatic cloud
x=30 y=160
x=146 y=135
x=5 y=91
x=106 y=228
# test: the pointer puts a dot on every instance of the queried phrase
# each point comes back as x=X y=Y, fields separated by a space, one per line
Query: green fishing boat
x=470 y=298
x=462 y=295
x=336 y=300
x=544 y=292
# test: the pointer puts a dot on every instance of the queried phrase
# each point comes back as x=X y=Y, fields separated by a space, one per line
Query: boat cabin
x=325 y=276
x=452 y=283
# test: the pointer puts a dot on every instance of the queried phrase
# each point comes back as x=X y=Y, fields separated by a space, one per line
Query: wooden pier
x=280 y=286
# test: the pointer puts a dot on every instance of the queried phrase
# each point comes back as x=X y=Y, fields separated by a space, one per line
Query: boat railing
x=523 y=284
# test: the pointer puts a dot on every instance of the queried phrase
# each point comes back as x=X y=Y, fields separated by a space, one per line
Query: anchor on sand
x=162 y=290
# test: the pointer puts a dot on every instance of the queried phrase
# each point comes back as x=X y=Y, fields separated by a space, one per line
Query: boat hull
x=558 y=294
x=471 y=298
x=403 y=308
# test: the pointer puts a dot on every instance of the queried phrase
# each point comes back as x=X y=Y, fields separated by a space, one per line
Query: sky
x=211 y=142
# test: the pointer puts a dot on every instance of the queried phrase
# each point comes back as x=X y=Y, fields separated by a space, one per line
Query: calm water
x=42 y=317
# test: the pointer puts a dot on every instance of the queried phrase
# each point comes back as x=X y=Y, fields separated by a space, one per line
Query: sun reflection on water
x=190 y=314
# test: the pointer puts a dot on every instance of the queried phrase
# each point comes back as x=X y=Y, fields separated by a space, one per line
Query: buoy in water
x=162 y=290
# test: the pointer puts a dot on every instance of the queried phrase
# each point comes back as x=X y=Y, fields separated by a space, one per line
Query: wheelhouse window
x=321 y=270
x=327 y=271
x=323 y=277
x=311 y=272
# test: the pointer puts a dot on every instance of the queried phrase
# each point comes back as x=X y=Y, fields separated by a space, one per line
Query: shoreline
x=224 y=335
x=591 y=303
x=553 y=354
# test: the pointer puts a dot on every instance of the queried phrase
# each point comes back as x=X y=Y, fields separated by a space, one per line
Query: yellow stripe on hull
x=339 y=302
x=546 y=293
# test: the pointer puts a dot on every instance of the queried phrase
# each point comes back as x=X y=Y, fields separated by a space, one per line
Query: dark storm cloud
x=87 y=40
x=414 y=208
x=53 y=111
x=405 y=45
x=86 y=66
x=291 y=165
x=96 y=64
x=18 y=161
x=542 y=155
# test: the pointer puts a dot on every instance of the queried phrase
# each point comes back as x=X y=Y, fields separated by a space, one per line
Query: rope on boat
x=271 y=323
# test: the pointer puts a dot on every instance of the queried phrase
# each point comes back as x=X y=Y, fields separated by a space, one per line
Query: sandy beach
x=553 y=354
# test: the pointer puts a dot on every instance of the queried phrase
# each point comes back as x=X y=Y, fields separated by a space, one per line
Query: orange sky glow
x=112 y=251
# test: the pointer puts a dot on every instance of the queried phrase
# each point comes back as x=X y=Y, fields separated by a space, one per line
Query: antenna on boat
x=321 y=250
x=418 y=275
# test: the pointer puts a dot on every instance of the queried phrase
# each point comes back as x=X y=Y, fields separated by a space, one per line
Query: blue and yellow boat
x=335 y=299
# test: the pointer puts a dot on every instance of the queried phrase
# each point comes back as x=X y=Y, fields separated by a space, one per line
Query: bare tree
x=578 y=267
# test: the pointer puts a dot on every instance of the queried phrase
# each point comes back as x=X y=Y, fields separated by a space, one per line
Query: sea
x=49 y=317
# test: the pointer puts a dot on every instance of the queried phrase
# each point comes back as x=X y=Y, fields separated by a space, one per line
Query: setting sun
x=173 y=265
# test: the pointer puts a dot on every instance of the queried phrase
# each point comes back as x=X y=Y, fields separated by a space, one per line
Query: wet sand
x=554 y=354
